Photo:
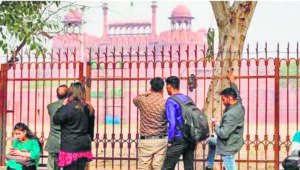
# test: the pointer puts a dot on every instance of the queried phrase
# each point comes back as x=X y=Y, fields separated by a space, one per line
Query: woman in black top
x=76 y=118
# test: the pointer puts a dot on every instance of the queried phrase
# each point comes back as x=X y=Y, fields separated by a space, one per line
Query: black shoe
x=207 y=168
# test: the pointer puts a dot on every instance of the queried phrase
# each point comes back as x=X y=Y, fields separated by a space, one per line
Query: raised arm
x=137 y=100
x=60 y=116
x=233 y=85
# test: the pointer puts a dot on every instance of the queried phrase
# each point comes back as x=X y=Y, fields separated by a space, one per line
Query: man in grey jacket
x=53 y=144
x=230 y=131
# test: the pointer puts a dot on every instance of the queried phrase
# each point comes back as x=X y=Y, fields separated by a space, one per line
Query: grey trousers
x=52 y=161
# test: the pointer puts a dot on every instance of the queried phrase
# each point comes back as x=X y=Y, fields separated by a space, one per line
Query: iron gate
x=268 y=85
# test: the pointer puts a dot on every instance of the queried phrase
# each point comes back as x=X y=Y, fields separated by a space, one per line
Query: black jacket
x=77 y=127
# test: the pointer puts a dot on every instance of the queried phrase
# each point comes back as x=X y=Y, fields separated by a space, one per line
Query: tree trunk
x=233 y=22
x=13 y=58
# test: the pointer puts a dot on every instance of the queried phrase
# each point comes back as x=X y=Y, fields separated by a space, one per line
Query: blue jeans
x=228 y=159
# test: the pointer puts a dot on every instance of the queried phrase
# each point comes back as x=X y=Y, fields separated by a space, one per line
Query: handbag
x=291 y=163
x=19 y=159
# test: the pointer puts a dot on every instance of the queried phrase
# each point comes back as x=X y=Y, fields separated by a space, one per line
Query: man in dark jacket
x=177 y=145
x=230 y=131
x=53 y=144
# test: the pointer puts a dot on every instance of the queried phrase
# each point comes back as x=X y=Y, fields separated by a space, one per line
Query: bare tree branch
x=48 y=6
x=48 y=34
x=14 y=58
x=45 y=34
x=58 y=10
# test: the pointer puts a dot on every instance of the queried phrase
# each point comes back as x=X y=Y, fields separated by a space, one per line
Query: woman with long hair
x=25 y=145
x=76 y=118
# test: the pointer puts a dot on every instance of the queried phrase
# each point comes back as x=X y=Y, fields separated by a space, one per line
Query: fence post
x=88 y=91
x=277 y=111
x=88 y=81
x=81 y=70
x=3 y=109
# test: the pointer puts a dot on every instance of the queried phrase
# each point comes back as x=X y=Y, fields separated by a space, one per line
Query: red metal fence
x=268 y=84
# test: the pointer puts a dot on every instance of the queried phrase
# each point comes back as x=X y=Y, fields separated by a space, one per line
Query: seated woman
x=25 y=145
x=295 y=147
x=292 y=162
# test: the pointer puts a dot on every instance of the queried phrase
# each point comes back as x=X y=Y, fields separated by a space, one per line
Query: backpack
x=291 y=163
x=194 y=126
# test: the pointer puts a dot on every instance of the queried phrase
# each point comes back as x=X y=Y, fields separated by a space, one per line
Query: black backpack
x=195 y=126
x=291 y=163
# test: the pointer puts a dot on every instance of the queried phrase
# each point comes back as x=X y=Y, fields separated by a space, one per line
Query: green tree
x=27 y=23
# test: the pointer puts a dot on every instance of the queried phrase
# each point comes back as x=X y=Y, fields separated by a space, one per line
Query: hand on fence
x=213 y=122
x=65 y=102
x=231 y=75
x=149 y=92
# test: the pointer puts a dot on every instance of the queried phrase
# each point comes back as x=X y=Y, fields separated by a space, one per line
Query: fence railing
x=269 y=87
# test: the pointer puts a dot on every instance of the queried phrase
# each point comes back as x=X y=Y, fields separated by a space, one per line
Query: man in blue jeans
x=230 y=131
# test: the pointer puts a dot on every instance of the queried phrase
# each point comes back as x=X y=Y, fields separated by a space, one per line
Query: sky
x=273 y=21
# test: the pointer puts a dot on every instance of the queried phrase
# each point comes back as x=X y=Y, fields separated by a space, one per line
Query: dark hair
x=157 y=84
x=173 y=81
x=62 y=91
x=76 y=94
x=23 y=127
x=229 y=92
